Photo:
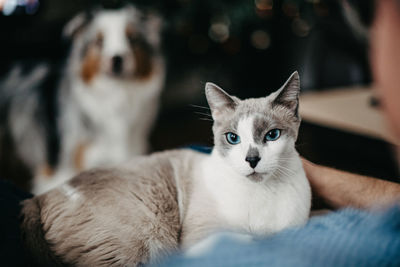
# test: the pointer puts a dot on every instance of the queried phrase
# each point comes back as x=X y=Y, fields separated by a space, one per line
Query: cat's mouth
x=255 y=176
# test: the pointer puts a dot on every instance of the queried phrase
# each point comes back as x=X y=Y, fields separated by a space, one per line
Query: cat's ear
x=218 y=100
x=288 y=94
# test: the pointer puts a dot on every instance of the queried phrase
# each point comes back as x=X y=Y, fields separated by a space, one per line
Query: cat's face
x=256 y=136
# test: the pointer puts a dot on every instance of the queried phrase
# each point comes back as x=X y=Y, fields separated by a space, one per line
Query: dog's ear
x=150 y=21
x=77 y=24
x=154 y=23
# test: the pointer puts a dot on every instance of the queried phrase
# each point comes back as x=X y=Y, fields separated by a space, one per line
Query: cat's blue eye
x=273 y=135
x=232 y=138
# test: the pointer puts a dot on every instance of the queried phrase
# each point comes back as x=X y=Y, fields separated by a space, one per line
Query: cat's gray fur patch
x=261 y=125
x=252 y=152
x=125 y=212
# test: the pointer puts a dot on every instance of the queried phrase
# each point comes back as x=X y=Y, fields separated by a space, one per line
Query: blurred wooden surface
x=346 y=109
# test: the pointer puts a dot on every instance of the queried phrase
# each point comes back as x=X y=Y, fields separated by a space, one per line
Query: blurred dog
x=107 y=99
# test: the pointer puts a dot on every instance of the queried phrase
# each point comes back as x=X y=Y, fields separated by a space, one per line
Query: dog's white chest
x=106 y=99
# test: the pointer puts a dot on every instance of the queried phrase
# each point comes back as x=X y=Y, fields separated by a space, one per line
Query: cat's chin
x=255 y=177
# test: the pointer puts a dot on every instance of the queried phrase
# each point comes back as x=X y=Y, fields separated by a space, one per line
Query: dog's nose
x=253 y=161
x=117 y=64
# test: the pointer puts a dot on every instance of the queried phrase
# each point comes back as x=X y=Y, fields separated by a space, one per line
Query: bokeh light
x=11 y=7
x=31 y=6
x=219 y=29
x=290 y=9
x=300 y=27
x=260 y=39
x=264 y=8
x=264 y=4
x=2 y=2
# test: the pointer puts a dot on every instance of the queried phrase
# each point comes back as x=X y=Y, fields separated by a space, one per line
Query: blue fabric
x=200 y=148
x=345 y=238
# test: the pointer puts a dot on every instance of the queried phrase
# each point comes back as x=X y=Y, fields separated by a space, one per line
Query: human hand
x=338 y=189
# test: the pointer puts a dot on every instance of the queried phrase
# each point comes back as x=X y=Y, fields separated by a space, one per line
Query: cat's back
x=114 y=217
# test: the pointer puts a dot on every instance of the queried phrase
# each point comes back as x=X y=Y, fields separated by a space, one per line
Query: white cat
x=253 y=182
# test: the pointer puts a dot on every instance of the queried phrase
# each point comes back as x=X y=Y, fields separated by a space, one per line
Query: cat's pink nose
x=253 y=161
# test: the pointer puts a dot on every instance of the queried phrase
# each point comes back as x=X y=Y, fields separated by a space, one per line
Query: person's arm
x=341 y=189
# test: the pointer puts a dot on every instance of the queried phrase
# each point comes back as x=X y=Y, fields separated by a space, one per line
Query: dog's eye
x=133 y=38
x=131 y=35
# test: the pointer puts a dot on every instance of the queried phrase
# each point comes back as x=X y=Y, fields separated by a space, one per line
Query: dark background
x=309 y=36
x=248 y=47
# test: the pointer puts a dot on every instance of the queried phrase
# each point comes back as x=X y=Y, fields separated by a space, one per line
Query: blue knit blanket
x=345 y=238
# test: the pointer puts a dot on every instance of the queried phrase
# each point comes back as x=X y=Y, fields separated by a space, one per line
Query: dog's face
x=117 y=43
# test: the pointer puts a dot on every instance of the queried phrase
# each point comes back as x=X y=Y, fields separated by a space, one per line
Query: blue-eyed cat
x=253 y=182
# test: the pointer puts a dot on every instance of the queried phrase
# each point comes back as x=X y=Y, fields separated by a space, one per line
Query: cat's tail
x=36 y=247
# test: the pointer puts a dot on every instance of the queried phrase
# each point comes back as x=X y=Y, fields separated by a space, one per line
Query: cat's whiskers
x=202 y=113
x=283 y=170
x=287 y=169
x=208 y=115
x=286 y=172
x=207 y=118
x=281 y=161
x=276 y=175
x=282 y=158
x=280 y=173
x=197 y=106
